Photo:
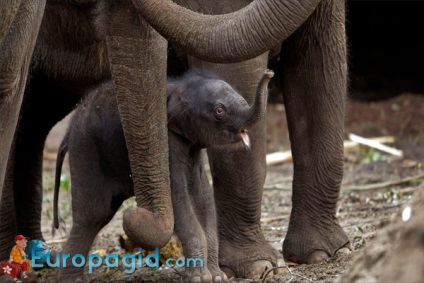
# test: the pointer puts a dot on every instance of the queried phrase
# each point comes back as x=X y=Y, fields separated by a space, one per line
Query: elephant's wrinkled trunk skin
x=146 y=229
x=139 y=74
x=227 y=38
x=257 y=111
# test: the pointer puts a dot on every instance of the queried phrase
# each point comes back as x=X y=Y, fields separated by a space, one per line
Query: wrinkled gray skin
x=311 y=73
x=68 y=47
x=203 y=111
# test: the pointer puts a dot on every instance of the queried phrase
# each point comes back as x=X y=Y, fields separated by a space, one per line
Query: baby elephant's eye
x=219 y=111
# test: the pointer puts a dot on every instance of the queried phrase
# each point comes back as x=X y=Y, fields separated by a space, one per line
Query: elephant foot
x=197 y=275
x=319 y=256
x=217 y=274
x=203 y=275
x=313 y=244
x=250 y=261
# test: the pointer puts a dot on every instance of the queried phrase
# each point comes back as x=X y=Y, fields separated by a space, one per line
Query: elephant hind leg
x=43 y=106
x=93 y=206
x=314 y=89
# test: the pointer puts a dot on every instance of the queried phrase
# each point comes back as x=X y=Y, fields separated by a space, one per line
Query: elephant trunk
x=231 y=37
x=258 y=109
x=140 y=84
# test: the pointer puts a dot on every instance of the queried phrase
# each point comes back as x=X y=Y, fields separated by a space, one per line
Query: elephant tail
x=63 y=149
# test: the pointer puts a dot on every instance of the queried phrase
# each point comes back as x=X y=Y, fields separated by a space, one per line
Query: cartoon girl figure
x=18 y=256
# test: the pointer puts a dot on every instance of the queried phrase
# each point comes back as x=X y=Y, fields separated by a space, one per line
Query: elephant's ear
x=177 y=110
x=174 y=88
x=174 y=109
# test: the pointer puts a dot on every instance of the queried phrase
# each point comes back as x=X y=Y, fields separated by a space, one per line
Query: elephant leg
x=204 y=204
x=205 y=211
x=95 y=200
x=84 y=231
x=18 y=31
x=314 y=89
x=8 y=229
x=238 y=178
x=187 y=226
x=43 y=106
x=19 y=24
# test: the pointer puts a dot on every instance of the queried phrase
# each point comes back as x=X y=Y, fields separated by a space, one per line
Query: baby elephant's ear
x=174 y=88
x=179 y=125
x=174 y=91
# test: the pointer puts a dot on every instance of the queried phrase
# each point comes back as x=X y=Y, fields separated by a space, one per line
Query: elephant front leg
x=238 y=178
x=187 y=226
x=204 y=205
x=8 y=228
x=192 y=237
x=314 y=89
x=19 y=25
x=238 y=181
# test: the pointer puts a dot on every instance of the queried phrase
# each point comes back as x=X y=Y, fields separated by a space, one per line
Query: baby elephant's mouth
x=245 y=138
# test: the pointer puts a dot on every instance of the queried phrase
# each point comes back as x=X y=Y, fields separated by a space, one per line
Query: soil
x=371 y=216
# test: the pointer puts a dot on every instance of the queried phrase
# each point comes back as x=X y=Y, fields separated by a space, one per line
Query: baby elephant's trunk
x=257 y=111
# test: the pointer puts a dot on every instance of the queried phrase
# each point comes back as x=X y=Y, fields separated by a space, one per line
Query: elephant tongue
x=245 y=137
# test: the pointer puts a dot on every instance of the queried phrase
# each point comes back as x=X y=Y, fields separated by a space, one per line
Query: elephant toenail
x=228 y=271
x=194 y=279
x=317 y=257
x=281 y=264
x=207 y=278
x=345 y=251
x=220 y=278
x=257 y=269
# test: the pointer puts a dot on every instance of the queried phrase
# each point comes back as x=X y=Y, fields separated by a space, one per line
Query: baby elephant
x=203 y=111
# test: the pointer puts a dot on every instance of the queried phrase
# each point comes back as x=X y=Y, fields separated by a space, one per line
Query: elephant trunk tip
x=146 y=229
x=258 y=108
x=269 y=74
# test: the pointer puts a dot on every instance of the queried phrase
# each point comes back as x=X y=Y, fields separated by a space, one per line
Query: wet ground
x=376 y=189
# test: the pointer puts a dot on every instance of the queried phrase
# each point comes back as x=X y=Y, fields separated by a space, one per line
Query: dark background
x=386 y=48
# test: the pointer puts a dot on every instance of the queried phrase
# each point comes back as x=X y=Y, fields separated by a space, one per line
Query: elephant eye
x=219 y=111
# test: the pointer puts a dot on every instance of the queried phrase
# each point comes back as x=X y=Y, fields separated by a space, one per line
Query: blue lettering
x=35 y=257
x=64 y=258
x=140 y=258
x=180 y=262
x=154 y=256
x=91 y=263
x=115 y=258
x=194 y=261
x=74 y=260
x=169 y=260
x=131 y=264
x=57 y=262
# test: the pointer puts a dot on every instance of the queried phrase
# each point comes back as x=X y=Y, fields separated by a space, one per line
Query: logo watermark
x=130 y=261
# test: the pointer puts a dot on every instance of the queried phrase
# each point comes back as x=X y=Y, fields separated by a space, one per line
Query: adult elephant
x=313 y=81
x=115 y=40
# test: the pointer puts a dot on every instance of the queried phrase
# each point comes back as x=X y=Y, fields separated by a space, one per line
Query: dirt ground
x=376 y=190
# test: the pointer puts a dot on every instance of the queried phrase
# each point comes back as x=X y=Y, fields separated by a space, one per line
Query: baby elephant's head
x=209 y=112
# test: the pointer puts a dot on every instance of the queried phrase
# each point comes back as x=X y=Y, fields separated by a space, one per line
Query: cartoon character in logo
x=18 y=256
